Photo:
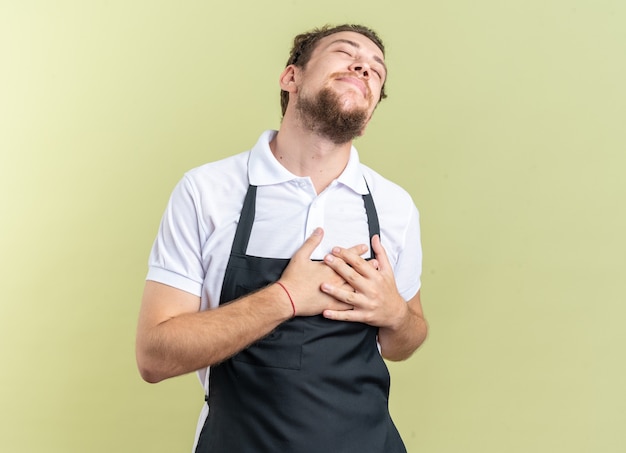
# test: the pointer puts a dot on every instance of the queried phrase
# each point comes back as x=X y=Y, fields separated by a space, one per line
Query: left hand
x=371 y=288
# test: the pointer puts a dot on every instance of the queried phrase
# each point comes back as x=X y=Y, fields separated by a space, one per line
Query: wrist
x=292 y=305
x=403 y=316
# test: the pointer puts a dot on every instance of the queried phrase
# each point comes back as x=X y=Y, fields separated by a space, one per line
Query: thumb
x=311 y=243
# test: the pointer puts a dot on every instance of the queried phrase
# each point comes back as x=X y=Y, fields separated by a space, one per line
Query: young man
x=286 y=273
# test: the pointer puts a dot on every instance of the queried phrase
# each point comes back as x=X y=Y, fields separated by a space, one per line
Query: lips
x=356 y=82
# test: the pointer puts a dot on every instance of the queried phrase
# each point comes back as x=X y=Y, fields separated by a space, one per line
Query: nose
x=361 y=68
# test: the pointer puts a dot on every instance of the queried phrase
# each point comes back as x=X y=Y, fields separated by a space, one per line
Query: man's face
x=341 y=84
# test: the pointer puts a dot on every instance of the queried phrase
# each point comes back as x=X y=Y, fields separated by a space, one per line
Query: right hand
x=303 y=279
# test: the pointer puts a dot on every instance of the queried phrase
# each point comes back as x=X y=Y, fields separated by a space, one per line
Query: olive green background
x=505 y=121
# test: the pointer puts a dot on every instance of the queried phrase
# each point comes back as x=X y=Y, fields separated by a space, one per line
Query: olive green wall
x=505 y=121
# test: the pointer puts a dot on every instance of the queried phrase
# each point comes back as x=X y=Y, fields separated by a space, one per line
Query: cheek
x=377 y=87
x=312 y=82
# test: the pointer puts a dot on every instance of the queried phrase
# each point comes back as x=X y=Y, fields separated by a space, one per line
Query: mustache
x=339 y=75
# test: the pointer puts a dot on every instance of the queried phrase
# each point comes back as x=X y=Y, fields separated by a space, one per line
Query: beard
x=323 y=114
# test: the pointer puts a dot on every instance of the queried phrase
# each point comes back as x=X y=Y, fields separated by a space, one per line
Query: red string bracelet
x=290 y=299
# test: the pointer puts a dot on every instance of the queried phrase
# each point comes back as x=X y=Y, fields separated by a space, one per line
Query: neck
x=305 y=153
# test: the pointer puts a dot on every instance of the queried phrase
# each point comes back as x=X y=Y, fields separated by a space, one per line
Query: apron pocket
x=282 y=348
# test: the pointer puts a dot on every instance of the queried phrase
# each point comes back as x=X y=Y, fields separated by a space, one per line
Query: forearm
x=398 y=342
x=191 y=341
x=174 y=338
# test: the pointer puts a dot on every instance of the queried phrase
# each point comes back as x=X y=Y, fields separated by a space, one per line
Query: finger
x=311 y=243
x=343 y=315
x=335 y=305
x=343 y=269
x=333 y=278
x=380 y=253
x=359 y=249
x=355 y=265
x=345 y=286
x=344 y=294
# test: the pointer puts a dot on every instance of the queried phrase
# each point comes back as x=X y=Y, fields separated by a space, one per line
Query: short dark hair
x=304 y=44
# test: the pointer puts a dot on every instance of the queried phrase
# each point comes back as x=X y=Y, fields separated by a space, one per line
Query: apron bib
x=311 y=386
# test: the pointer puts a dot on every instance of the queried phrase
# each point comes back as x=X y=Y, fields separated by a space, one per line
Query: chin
x=350 y=106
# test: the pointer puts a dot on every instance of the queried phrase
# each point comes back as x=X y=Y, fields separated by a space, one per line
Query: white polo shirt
x=194 y=240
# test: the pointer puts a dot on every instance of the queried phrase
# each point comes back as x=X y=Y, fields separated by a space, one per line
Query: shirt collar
x=264 y=169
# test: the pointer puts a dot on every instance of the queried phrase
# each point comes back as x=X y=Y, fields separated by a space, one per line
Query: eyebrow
x=356 y=45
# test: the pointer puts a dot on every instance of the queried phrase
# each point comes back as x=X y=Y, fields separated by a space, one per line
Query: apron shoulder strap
x=372 y=217
x=246 y=219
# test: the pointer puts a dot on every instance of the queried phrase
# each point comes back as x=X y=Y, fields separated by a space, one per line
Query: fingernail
x=329 y=258
x=317 y=231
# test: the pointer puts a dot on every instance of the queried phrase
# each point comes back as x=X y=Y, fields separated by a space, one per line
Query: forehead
x=357 y=39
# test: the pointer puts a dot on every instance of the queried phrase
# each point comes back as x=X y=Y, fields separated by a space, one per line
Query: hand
x=303 y=279
x=374 y=299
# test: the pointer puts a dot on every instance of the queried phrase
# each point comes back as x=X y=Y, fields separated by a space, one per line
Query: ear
x=288 y=79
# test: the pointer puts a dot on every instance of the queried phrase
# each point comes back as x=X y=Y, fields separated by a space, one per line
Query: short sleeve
x=176 y=255
x=408 y=269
